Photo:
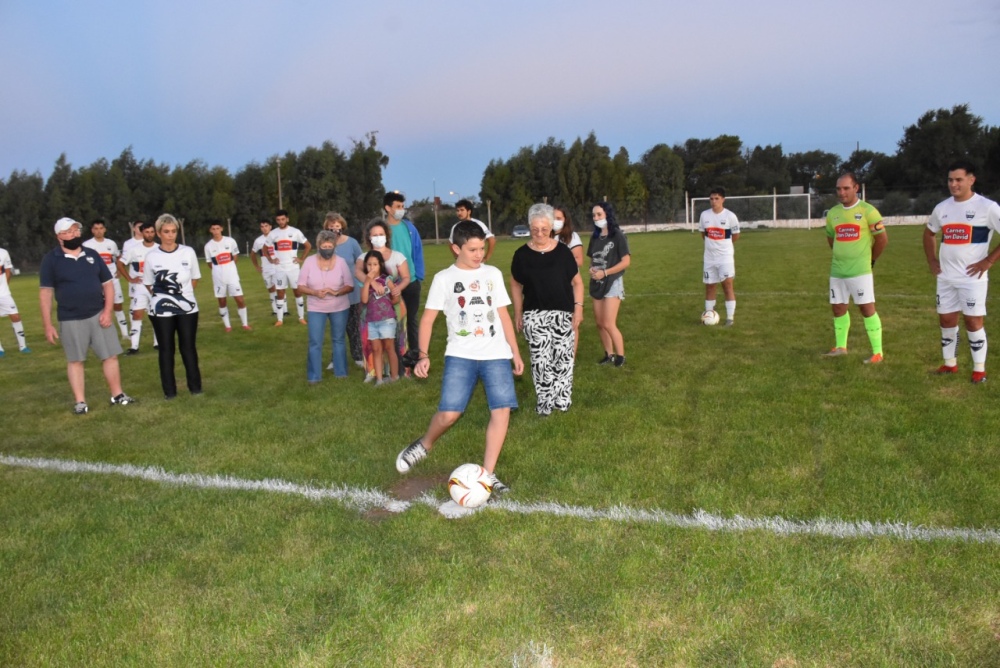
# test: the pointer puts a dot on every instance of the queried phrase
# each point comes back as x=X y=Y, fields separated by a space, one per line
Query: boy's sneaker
x=122 y=400
x=874 y=359
x=2 y=353
x=835 y=352
x=410 y=455
x=945 y=370
x=619 y=360
x=978 y=377
x=607 y=359
x=498 y=487
x=26 y=349
x=80 y=408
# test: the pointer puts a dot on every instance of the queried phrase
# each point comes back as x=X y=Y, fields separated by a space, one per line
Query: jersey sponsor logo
x=285 y=245
x=848 y=232
x=716 y=233
x=223 y=258
x=107 y=257
x=957 y=233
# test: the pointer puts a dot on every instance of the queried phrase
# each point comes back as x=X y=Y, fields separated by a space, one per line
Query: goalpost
x=757 y=208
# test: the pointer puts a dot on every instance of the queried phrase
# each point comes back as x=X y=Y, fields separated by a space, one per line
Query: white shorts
x=139 y=297
x=233 y=289
x=268 y=277
x=716 y=273
x=969 y=298
x=119 y=297
x=287 y=277
x=7 y=305
x=859 y=288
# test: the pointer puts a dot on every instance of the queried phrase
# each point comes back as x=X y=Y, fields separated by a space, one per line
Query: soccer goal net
x=755 y=210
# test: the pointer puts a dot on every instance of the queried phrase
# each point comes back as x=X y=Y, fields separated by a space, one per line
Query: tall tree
x=767 y=170
x=814 y=170
x=935 y=140
x=663 y=173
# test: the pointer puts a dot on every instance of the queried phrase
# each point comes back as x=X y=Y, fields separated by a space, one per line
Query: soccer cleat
x=499 y=489
x=728 y=323
x=619 y=360
x=228 y=329
x=26 y=349
x=410 y=455
x=2 y=353
x=945 y=370
x=607 y=359
x=874 y=359
x=835 y=352
x=279 y=324
x=247 y=328
x=122 y=400
x=978 y=377
x=132 y=351
x=80 y=408
x=302 y=321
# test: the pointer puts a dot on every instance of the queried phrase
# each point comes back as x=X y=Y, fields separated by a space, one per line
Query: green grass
x=104 y=570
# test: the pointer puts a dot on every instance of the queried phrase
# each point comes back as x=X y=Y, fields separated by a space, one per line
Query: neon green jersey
x=852 y=230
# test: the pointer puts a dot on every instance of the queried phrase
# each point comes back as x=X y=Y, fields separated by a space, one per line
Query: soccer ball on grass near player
x=470 y=485
x=710 y=318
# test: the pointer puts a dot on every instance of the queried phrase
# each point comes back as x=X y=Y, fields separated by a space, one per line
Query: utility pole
x=278 y=163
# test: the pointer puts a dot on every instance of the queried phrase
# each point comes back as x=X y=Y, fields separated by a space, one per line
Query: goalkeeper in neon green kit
x=855 y=232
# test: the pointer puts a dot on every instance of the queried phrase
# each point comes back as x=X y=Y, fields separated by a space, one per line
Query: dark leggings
x=186 y=328
x=411 y=298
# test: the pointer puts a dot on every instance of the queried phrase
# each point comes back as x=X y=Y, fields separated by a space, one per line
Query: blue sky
x=450 y=85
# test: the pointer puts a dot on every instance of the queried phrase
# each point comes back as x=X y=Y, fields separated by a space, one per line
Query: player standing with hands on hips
x=855 y=232
x=720 y=229
x=966 y=222
x=481 y=343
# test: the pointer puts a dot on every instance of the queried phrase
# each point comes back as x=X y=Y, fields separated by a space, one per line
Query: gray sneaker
x=80 y=408
x=729 y=322
x=410 y=455
x=499 y=488
x=122 y=400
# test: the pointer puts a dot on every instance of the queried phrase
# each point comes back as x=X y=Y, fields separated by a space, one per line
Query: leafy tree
x=26 y=234
x=363 y=175
x=938 y=138
x=767 y=169
x=816 y=171
x=713 y=162
x=663 y=173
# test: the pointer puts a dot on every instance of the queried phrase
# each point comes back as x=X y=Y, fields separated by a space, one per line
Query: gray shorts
x=78 y=336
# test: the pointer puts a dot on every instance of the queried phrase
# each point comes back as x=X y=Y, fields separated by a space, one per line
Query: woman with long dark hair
x=609 y=258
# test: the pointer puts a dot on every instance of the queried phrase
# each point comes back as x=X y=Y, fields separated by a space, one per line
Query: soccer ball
x=470 y=485
x=710 y=318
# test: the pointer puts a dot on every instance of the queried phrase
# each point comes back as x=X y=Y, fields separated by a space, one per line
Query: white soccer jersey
x=131 y=241
x=966 y=228
x=286 y=243
x=5 y=264
x=222 y=256
x=108 y=250
x=719 y=229
x=134 y=258
x=263 y=251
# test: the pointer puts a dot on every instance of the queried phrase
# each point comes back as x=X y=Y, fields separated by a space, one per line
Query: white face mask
x=378 y=242
x=601 y=224
x=398 y=214
x=557 y=225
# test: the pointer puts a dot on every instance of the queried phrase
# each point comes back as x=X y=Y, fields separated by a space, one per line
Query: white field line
x=814 y=294
x=365 y=499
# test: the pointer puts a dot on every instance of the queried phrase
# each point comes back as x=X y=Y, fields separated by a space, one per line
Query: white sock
x=977 y=344
x=19 y=333
x=300 y=304
x=709 y=304
x=949 y=345
x=274 y=307
x=243 y=315
x=280 y=312
x=730 y=309
x=224 y=312
x=136 y=333
x=122 y=323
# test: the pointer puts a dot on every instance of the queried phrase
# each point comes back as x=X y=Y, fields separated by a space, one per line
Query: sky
x=448 y=85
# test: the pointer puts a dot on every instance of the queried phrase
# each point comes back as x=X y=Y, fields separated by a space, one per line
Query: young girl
x=380 y=317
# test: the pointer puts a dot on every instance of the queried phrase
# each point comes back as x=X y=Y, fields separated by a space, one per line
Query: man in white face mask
x=405 y=239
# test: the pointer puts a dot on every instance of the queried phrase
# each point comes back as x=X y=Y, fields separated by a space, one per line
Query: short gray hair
x=332 y=217
x=324 y=236
x=541 y=210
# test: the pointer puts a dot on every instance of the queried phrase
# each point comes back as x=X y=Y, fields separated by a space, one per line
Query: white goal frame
x=693 y=224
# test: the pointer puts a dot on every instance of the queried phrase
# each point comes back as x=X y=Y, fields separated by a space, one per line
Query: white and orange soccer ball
x=710 y=318
x=470 y=485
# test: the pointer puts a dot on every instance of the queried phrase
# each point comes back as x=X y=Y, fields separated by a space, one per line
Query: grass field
x=107 y=570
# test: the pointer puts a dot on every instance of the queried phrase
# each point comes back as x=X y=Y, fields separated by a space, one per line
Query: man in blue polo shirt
x=82 y=286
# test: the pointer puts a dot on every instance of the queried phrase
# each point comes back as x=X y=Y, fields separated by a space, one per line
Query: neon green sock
x=873 y=326
x=841 y=326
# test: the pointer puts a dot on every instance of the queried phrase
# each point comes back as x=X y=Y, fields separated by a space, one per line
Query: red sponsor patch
x=957 y=233
x=284 y=245
x=848 y=232
x=715 y=233
x=108 y=258
x=224 y=258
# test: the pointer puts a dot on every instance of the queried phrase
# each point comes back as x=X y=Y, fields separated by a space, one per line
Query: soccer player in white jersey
x=108 y=250
x=262 y=261
x=966 y=222
x=135 y=227
x=289 y=247
x=720 y=229
x=130 y=266
x=220 y=254
x=463 y=210
x=7 y=305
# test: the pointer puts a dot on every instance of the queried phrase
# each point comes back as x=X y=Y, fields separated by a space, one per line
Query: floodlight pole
x=437 y=233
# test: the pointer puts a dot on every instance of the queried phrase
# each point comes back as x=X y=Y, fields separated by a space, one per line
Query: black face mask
x=73 y=244
x=326 y=253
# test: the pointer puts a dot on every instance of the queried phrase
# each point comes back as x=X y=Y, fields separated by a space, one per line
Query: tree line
x=651 y=189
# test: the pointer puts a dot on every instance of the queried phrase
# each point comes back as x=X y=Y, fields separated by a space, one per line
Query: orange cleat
x=875 y=359
x=945 y=370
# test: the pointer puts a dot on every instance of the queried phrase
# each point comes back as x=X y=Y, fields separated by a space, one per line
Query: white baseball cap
x=64 y=224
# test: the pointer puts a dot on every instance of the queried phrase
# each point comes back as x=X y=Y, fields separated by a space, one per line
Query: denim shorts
x=383 y=329
x=460 y=376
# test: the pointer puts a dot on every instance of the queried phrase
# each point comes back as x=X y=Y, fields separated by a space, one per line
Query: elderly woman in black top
x=547 y=292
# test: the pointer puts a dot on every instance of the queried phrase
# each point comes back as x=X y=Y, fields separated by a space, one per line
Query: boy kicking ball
x=480 y=346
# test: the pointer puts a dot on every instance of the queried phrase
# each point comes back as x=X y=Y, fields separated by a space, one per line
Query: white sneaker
x=410 y=455
x=329 y=367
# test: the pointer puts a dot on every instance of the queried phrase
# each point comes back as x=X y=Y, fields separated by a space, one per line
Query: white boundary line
x=366 y=499
x=817 y=294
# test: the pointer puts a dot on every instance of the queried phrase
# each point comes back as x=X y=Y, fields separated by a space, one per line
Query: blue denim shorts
x=460 y=376
x=383 y=329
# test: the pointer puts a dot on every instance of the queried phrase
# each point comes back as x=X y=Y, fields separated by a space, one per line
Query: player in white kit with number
x=130 y=266
x=220 y=254
x=720 y=229
x=286 y=243
x=262 y=260
x=108 y=250
x=7 y=305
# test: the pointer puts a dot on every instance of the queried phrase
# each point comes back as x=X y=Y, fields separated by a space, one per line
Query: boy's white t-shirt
x=469 y=299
